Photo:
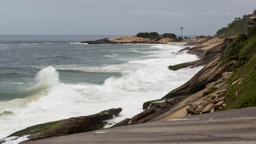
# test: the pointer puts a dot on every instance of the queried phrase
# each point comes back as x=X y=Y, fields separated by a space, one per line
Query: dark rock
x=163 y=103
x=69 y=126
x=122 y=123
x=157 y=109
x=186 y=48
x=143 y=114
x=100 y=41
x=149 y=104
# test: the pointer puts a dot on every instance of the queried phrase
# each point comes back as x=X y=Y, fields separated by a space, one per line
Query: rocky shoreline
x=171 y=105
x=129 y=39
x=67 y=126
x=201 y=94
x=192 y=98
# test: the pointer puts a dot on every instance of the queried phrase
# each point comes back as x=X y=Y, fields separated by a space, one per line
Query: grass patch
x=209 y=91
x=206 y=98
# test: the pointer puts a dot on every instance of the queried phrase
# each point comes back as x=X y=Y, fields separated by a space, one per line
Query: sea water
x=48 y=78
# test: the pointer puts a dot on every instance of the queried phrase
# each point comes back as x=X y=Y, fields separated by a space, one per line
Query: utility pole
x=181 y=28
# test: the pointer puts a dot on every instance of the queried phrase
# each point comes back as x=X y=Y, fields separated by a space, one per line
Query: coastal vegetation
x=155 y=35
x=209 y=91
x=241 y=92
x=151 y=35
x=238 y=26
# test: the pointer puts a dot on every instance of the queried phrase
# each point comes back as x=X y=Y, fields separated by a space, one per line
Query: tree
x=151 y=35
x=170 y=35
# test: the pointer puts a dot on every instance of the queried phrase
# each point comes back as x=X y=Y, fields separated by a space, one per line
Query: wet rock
x=152 y=103
x=143 y=114
x=157 y=109
x=163 y=103
x=69 y=126
x=122 y=123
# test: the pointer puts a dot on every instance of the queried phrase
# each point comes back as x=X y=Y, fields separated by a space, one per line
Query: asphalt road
x=227 y=127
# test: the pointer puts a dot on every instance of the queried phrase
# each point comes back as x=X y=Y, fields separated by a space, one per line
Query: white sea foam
x=78 y=43
x=28 y=44
x=140 y=81
x=110 y=56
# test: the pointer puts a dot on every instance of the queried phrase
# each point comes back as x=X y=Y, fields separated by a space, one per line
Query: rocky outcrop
x=69 y=126
x=207 y=50
x=153 y=109
x=129 y=39
x=150 y=104
x=100 y=41
x=211 y=72
x=211 y=103
x=193 y=96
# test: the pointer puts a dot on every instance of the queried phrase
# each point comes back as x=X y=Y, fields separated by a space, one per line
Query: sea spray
x=45 y=79
x=143 y=78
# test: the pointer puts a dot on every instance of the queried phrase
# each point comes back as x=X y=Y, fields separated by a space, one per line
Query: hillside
x=241 y=91
x=238 y=26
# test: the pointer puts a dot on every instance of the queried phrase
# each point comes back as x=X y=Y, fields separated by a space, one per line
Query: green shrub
x=170 y=35
x=151 y=35
x=233 y=50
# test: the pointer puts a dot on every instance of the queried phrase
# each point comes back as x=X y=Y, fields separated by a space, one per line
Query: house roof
x=253 y=16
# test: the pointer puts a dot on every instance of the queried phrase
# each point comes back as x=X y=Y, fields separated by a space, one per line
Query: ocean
x=48 y=78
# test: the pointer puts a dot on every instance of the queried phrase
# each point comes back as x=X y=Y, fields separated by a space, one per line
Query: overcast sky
x=118 y=17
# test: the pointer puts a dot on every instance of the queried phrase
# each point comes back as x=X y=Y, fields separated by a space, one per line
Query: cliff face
x=211 y=51
x=227 y=81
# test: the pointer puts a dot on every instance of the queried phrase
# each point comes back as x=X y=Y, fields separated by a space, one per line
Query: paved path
x=228 y=127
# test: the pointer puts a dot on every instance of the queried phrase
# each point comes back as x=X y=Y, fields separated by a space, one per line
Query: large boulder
x=69 y=126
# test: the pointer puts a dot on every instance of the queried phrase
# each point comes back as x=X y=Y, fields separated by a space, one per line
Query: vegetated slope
x=235 y=28
x=241 y=92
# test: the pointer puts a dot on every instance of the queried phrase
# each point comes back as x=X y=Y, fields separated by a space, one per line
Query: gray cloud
x=120 y=17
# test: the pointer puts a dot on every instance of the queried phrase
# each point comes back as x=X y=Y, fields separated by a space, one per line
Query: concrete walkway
x=228 y=127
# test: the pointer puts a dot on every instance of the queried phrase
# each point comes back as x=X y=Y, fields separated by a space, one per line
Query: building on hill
x=251 y=25
x=253 y=17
